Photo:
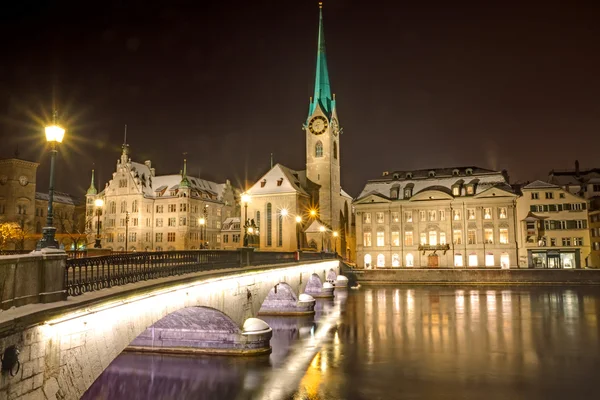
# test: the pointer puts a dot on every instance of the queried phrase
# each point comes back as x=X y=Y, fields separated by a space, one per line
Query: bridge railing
x=95 y=273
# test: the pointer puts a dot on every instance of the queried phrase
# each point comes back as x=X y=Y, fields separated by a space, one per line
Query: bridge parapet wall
x=32 y=278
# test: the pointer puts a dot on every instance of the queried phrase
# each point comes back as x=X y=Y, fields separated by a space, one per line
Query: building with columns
x=306 y=208
x=441 y=217
x=143 y=211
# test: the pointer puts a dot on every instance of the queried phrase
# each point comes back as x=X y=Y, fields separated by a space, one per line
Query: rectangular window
x=488 y=236
x=596 y=188
x=473 y=260
x=502 y=213
x=367 y=218
x=432 y=215
x=121 y=237
x=147 y=222
x=470 y=213
x=423 y=239
x=456 y=215
x=132 y=237
x=110 y=237
x=159 y=222
x=380 y=238
x=171 y=237
x=566 y=241
x=442 y=215
x=269 y=218
x=135 y=221
x=225 y=238
x=581 y=224
x=182 y=207
x=535 y=195
x=433 y=238
x=396 y=238
x=457 y=236
x=442 y=238
x=552 y=242
x=218 y=238
x=487 y=213
x=172 y=207
x=182 y=221
x=279 y=230
x=503 y=235
x=408 y=216
x=456 y=191
x=379 y=216
x=147 y=236
x=578 y=241
x=218 y=210
x=471 y=236
x=395 y=216
x=172 y=221
x=367 y=239
x=489 y=260
x=458 y=260
x=549 y=195
x=236 y=238
x=408 y=238
x=422 y=216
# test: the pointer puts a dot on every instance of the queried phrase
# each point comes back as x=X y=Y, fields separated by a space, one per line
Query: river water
x=397 y=342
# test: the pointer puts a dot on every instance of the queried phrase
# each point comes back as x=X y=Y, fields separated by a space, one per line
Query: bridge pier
x=282 y=300
x=316 y=289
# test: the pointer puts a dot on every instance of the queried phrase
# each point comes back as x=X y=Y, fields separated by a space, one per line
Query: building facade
x=553 y=231
x=231 y=234
x=313 y=195
x=143 y=211
x=450 y=217
x=21 y=204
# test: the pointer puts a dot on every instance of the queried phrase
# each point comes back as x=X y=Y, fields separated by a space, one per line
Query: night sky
x=421 y=84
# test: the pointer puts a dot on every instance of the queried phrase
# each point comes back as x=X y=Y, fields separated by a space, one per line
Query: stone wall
x=63 y=356
x=37 y=277
x=497 y=276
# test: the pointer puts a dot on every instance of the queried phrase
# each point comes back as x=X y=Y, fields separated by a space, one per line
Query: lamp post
x=322 y=229
x=98 y=203
x=298 y=222
x=126 y=229
x=246 y=200
x=202 y=222
x=335 y=236
x=54 y=135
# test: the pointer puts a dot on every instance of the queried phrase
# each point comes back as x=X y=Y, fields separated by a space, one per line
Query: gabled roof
x=315 y=226
x=540 y=185
x=59 y=197
x=371 y=195
x=277 y=180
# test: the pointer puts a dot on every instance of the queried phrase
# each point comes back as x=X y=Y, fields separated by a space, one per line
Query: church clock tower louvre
x=323 y=139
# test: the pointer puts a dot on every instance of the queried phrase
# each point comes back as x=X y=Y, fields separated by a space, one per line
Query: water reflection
x=395 y=343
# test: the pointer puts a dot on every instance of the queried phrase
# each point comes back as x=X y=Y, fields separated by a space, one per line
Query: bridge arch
x=74 y=346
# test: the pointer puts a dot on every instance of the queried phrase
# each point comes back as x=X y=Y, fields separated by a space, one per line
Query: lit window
x=473 y=260
x=457 y=236
x=367 y=260
x=442 y=215
x=458 y=260
x=504 y=260
x=408 y=238
x=456 y=215
x=395 y=260
x=410 y=260
x=395 y=238
x=432 y=238
x=502 y=213
x=487 y=213
x=408 y=216
x=380 y=238
x=489 y=260
x=367 y=239
x=423 y=238
x=319 y=149
x=380 y=261
x=432 y=215
x=367 y=218
x=470 y=189
x=488 y=236
x=470 y=213
x=442 y=238
x=379 y=217
x=503 y=235
x=471 y=236
x=456 y=191
x=578 y=241
x=422 y=216
x=395 y=216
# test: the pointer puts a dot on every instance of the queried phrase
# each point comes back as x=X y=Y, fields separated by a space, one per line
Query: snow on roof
x=230 y=224
x=540 y=185
x=59 y=197
x=344 y=194
x=437 y=179
x=279 y=179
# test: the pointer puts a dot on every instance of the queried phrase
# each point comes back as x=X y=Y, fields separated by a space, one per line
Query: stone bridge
x=65 y=345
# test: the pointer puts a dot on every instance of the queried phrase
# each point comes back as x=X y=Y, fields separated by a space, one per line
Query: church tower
x=323 y=139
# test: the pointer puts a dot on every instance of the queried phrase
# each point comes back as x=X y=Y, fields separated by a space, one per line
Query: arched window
x=504 y=261
x=335 y=150
x=269 y=226
x=367 y=261
x=319 y=149
x=257 y=222
x=395 y=260
x=410 y=260
x=380 y=261
x=279 y=229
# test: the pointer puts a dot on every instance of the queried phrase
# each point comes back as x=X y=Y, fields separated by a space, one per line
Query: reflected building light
x=410 y=301
x=491 y=301
x=506 y=302
x=397 y=301
x=474 y=302
x=460 y=301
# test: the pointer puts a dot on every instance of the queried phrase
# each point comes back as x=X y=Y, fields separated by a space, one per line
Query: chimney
x=577 y=168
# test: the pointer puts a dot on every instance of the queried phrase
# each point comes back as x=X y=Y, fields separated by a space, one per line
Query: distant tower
x=323 y=139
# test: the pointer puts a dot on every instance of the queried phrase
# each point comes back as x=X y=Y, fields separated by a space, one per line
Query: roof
x=229 y=224
x=315 y=226
x=59 y=197
x=442 y=179
x=574 y=177
x=322 y=95
x=280 y=179
x=344 y=194
x=540 y=185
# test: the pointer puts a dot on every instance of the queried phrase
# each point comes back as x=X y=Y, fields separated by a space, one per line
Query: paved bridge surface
x=65 y=345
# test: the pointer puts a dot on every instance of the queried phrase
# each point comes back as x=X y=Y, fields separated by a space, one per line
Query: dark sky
x=512 y=85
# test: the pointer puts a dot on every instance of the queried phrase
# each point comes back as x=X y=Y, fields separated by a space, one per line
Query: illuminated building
x=448 y=217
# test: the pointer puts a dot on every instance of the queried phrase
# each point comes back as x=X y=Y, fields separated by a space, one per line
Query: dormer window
x=431 y=174
x=263 y=183
x=470 y=190
x=397 y=176
x=394 y=192
x=455 y=172
x=279 y=181
x=456 y=191
x=469 y=171
x=407 y=193
x=409 y=175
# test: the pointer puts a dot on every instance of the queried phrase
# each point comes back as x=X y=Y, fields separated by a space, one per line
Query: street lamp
x=54 y=135
x=98 y=203
x=298 y=222
x=202 y=222
x=313 y=213
x=322 y=229
x=126 y=229
x=246 y=199
x=335 y=236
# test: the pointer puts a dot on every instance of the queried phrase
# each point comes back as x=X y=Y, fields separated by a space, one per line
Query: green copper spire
x=92 y=189
x=322 y=95
x=185 y=182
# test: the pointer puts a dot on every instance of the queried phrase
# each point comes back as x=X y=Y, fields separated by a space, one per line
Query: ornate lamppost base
x=47 y=240
x=97 y=244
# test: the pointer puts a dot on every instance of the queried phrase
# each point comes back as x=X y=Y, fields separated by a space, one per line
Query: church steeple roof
x=322 y=95
x=185 y=182
x=92 y=188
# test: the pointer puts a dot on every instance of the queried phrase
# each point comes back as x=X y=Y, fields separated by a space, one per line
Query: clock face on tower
x=317 y=125
x=23 y=180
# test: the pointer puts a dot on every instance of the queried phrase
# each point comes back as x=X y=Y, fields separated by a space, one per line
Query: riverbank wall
x=478 y=276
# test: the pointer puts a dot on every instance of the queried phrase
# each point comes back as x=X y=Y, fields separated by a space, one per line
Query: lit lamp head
x=313 y=213
x=98 y=203
x=245 y=198
x=322 y=228
x=55 y=133
x=284 y=212
x=335 y=234
x=298 y=219
x=202 y=221
x=250 y=230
